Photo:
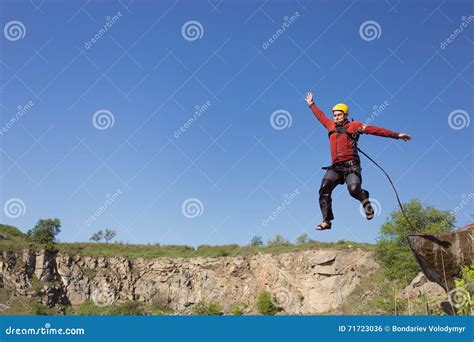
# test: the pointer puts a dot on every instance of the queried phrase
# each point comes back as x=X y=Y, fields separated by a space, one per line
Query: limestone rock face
x=440 y=256
x=421 y=285
x=425 y=296
x=305 y=282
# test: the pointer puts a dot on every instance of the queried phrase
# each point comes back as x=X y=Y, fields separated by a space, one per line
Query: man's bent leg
x=354 y=185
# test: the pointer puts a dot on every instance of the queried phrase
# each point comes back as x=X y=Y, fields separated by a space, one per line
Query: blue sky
x=147 y=74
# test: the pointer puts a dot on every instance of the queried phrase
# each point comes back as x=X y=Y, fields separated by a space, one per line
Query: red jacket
x=344 y=146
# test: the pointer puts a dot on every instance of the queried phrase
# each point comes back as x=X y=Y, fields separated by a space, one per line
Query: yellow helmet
x=342 y=107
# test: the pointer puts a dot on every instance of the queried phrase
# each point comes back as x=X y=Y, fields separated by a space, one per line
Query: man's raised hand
x=309 y=98
x=404 y=136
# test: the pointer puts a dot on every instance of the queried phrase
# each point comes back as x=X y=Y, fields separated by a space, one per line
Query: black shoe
x=369 y=211
x=323 y=226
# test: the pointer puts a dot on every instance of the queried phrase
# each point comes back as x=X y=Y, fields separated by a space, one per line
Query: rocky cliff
x=440 y=256
x=311 y=281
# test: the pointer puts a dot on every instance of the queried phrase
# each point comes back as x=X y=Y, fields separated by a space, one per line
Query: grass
x=128 y=308
x=20 y=305
x=14 y=240
x=30 y=306
x=375 y=295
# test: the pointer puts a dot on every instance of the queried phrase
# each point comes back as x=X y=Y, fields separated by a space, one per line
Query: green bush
x=267 y=305
x=208 y=309
x=45 y=231
x=392 y=250
x=278 y=240
x=463 y=295
x=237 y=309
x=39 y=309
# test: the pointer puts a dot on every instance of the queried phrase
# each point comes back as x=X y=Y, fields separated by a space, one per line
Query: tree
x=392 y=249
x=278 y=240
x=302 y=239
x=256 y=241
x=109 y=234
x=45 y=231
x=96 y=237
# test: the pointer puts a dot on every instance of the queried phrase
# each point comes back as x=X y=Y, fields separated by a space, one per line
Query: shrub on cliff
x=392 y=250
x=267 y=305
x=207 y=309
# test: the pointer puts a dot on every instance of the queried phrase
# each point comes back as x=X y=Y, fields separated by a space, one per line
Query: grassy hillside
x=12 y=239
x=10 y=232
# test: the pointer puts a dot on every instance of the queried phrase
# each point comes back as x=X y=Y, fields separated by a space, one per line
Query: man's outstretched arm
x=382 y=132
x=318 y=113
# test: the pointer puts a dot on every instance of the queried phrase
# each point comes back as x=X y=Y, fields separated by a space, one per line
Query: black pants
x=353 y=178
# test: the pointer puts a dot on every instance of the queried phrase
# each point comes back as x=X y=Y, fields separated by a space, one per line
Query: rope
x=406 y=218
x=393 y=186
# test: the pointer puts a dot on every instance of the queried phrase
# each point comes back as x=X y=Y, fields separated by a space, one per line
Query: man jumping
x=343 y=137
